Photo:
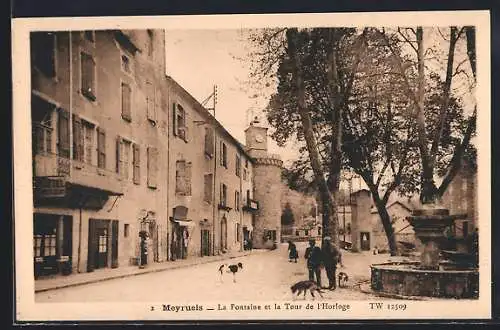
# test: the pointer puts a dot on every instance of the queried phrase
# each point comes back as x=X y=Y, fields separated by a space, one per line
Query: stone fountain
x=432 y=276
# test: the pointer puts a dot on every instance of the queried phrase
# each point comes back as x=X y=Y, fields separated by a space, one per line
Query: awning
x=185 y=222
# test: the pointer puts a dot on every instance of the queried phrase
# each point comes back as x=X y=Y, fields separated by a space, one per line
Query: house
x=125 y=159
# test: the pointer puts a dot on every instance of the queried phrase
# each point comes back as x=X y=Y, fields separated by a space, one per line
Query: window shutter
x=126 y=102
x=77 y=139
x=186 y=126
x=63 y=134
x=114 y=244
x=157 y=104
x=221 y=153
x=118 y=155
x=174 y=121
x=220 y=197
x=137 y=164
x=188 y=178
x=92 y=244
x=101 y=148
x=150 y=99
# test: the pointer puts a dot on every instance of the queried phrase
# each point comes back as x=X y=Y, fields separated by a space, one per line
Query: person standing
x=331 y=257
x=314 y=258
x=292 y=252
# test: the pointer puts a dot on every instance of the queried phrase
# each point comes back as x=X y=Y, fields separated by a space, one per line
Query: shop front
x=181 y=227
x=52 y=244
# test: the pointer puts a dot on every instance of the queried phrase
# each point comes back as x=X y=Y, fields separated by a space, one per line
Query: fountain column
x=429 y=225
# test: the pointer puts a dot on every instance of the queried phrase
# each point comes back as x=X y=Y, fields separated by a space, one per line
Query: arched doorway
x=223 y=234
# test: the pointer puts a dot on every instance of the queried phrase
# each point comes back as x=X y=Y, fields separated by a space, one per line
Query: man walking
x=314 y=258
x=331 y=257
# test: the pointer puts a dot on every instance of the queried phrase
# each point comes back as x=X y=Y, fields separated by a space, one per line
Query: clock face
x=259 y=138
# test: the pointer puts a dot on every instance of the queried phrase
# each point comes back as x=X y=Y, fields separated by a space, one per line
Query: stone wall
x=268 y=189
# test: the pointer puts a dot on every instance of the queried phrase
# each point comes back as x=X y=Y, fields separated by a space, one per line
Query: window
x=180 y=127
x=306 y=232
x=223 y=195
x=63 y=142
x=89 y=35
x=152 y=167
x=238 y=238
x=208 y=188
x=83 y=140
x=270 y=235
x=101 y=148
x=296 y=233
x=43 y=50
x=238 y=166
x=137 y=164
x=50 y=245
x=248 y=196
x=126 y=230
x=183 y=178
x=126 y=64
x=88 y=76
x=209 y=141
x=245 y=170
x=123 y=157
x=42 y=125
x=223 y=155
x=237 y=200
x=126 y=92
x=44 y=245
x=152 y=101
x=103 y=241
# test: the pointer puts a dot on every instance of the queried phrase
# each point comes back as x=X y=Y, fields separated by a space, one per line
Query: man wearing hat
x=331 y=256
x=314 y=258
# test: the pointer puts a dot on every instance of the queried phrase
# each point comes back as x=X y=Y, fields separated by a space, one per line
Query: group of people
x=328 y=257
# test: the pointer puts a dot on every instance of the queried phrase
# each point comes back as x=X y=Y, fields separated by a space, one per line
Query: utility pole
x=213 y=96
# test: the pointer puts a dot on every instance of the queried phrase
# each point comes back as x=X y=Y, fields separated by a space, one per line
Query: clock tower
x=266 y=180
x=256 y=138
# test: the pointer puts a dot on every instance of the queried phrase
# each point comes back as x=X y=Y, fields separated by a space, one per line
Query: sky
x=200 y=59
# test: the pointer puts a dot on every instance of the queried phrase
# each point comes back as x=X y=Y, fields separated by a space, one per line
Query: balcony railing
x=50 y=166
x=251 y=205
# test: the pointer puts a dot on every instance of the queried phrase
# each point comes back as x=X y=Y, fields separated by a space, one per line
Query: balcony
x=223 y=206
x=55 y=177
x=251 y=206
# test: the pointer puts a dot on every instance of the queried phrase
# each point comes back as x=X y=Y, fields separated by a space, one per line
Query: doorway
x=365 y=241
x=52 y=242
x=205 y=242
x=102 y=244
x=223 y=234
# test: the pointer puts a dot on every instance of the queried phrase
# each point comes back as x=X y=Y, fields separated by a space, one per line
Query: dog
x=343 y=278
x=304 y=286
x=230 y=269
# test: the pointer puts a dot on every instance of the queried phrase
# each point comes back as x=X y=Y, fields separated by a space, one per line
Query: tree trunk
x=386 y=223
x=312 y=146
x=428 y=193
x=336 y=142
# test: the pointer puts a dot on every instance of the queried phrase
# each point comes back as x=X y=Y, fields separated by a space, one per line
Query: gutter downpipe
x=214 y=183
x=71 y=144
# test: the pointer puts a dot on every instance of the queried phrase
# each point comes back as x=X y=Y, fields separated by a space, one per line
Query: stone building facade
x=96 y=157
x=126 y=161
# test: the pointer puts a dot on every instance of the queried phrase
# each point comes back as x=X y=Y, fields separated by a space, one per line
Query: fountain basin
x=407 y=279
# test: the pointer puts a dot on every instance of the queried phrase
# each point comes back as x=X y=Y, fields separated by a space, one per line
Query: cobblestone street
x=265 y=276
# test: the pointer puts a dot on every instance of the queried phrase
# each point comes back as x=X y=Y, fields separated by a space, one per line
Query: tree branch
x=456 y=160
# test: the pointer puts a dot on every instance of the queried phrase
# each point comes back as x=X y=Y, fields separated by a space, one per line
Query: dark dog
x=230 y=269
x=304 y=286
x=343 y=278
